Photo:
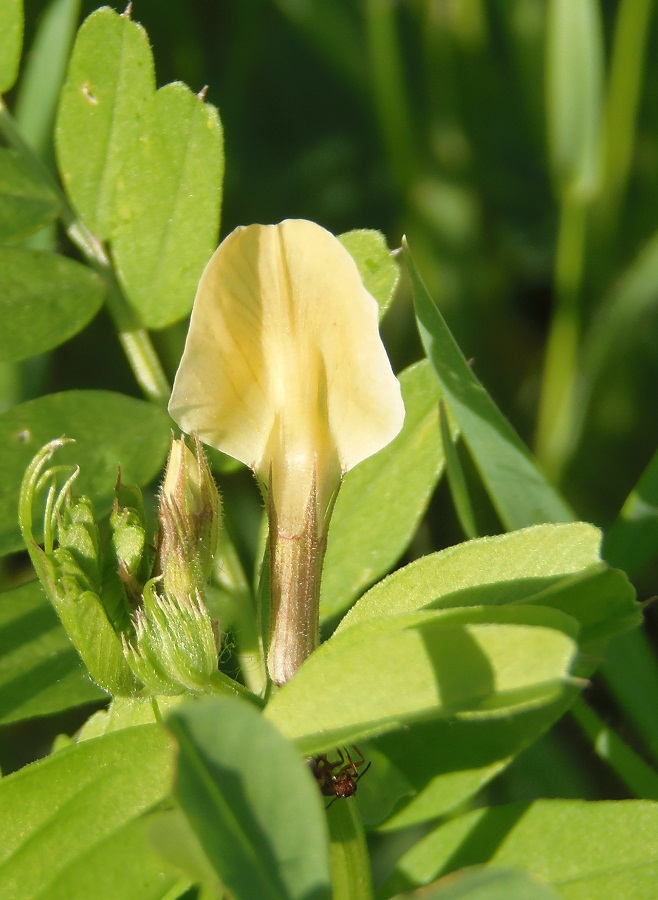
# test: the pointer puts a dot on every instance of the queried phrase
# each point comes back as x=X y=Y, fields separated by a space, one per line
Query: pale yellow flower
x=284 y=369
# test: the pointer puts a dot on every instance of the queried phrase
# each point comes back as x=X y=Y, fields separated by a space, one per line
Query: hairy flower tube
x=284 y=370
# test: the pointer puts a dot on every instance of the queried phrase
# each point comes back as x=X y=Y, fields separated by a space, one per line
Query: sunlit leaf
x=168 y=205
x=109 y=84
x=11 y=41
x=519 y=492
x=378 y=269
x=605 y=850
x=66 y=817
x=382 y=500
x=508 y=568
x=479 y=662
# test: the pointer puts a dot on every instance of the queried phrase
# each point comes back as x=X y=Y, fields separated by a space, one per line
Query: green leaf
x=251 y=801
x=605 y=850
x=632 y=541
x=43 y=74
x=631 y=672
x=44 y=300
x=11 y=41
x=630 y=669
x=168 y=205
x=110 y=430
x=507 y=568
x=382 y=500
x=351 y=870
x=622 y=315
x=109 y=84
x=519 y=492
x=377 y=267
x=457 y=479
x=480 y=662
x=466 y=755
x=484 y=884
x=26 y=202
x=126 y=712
x=40 y=672
x=65 y=817
x=574 y=81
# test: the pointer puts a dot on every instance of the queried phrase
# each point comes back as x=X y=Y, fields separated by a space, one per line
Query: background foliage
x=522 y=170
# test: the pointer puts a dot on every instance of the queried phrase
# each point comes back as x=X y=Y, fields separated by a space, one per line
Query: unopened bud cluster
x=135 y=612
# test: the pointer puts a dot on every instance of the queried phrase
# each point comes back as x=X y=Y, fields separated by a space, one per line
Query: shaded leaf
x=465 y=756
x=40 y=671
x=251 y=801
x=26 y=202
x=41 y=80
x=44 y=300
x=632 y=541
x=110 y=430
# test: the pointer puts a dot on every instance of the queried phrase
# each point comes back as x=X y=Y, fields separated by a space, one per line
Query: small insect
x=338 y=779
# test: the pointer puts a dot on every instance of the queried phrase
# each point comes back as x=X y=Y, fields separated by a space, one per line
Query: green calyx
x=132 y=638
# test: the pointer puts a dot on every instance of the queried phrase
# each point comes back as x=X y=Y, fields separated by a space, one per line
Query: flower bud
x=189 y=515
x=174 y=649
x=69 y=568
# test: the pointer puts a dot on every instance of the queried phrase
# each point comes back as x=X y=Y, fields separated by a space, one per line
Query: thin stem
x=134 y=339
x=558 y=402
x=624 y=88
x=230 y=576
x=388 y=84
x=608 y=746
x=351 y=877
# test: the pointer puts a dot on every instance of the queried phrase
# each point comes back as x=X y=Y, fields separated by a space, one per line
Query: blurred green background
x=430 y=119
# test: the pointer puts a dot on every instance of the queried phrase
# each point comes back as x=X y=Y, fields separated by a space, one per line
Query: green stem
x=388 y=86
x=624 y=87
x=223 y=684
x=133 y=337
x=350 y=863
x=558 y=401
x=230 y=576
x=630 y=768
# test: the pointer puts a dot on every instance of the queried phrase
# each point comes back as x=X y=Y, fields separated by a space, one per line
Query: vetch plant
x=284 y=369
x=257 y=696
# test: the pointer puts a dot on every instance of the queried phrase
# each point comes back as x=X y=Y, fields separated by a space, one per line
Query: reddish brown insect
x=338 y=779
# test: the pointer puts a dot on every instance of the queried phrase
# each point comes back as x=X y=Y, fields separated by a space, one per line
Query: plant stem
x=624 y=88
x=388 y=86
x=608 y=746
x=133 y=337
x=559 y=392
x=350 y=864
